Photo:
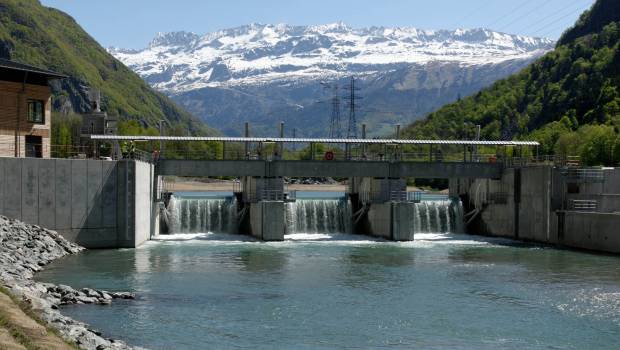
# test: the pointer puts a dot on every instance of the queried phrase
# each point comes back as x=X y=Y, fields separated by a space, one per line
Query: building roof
x=16 y=66
x=314 y=140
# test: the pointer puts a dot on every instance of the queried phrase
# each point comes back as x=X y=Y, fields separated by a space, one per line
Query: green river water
x=319 y=291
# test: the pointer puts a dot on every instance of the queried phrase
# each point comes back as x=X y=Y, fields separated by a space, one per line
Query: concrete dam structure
x=102 y=204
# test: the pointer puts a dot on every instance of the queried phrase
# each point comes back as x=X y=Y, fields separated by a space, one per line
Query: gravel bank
x=24 y=250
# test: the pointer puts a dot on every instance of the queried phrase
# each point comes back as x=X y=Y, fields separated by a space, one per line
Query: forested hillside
x=569 y=99
x=45 y=37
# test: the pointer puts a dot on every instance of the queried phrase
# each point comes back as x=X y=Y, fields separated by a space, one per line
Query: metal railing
x=583 y=174
x=414 y=196
x=142 y=153
x=398 y=196
x=390 y=196
x=270 y=195
x=75 y=152
x=585 y=205
x=518 y=162
x=335 y=155
x=167 y=186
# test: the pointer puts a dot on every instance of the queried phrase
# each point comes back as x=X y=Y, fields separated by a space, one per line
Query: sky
x=133 y=23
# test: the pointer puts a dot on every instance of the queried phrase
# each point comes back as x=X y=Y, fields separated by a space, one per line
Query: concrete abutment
x=537 y=204
x=97 y=204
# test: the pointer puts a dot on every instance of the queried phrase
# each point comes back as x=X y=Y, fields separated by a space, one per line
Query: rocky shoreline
x=24 y=250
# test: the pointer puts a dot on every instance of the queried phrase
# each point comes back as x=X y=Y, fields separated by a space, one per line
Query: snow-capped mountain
x=256 y=71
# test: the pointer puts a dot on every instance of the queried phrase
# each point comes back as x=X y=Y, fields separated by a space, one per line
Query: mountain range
x=267 y=73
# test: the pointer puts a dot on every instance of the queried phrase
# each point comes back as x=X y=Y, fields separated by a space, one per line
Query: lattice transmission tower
x=335 y=128
x=352 y=98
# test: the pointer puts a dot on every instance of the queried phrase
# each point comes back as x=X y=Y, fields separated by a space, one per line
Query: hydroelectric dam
x=499 y=188
x=376 y=201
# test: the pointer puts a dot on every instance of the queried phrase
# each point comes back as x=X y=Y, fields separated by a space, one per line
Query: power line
x=524 y=16
x=549 y=24
x=551 y=19
x=512 y=12
x=476 y=10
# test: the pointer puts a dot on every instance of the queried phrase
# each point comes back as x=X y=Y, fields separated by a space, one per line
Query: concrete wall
x=402 y=221
x=267 y=220
x=97 y=204
x=594 y=231
x=535 y=213
x=144 y=175
x=532 y=210
x=391 y=220
x=380 y=220
x=517 y=206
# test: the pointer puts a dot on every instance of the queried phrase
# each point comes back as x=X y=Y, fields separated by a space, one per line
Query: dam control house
x=25 y=110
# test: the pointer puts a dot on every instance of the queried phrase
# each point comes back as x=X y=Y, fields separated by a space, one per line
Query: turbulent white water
x=438 y=216
x=318 y=216
x=194 y=215
x=305 y=216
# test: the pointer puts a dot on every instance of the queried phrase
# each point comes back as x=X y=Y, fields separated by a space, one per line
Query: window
x=36 y=112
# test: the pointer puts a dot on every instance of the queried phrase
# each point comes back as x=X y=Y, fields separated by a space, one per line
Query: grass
x=16 y=332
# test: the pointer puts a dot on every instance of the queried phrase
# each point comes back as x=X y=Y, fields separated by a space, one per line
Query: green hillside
x=569 y=99
x=33 y=34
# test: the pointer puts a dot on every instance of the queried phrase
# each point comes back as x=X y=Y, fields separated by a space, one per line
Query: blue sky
x=133 y=23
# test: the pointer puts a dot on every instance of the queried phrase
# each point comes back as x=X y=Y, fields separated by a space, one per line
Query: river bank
x=25 y=250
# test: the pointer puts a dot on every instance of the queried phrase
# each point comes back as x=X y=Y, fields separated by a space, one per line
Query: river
x=341 y=291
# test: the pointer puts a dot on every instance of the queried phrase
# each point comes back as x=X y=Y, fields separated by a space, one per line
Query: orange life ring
x=329 y=155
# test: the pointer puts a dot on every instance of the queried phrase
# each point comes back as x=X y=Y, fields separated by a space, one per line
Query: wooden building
x=25 y=110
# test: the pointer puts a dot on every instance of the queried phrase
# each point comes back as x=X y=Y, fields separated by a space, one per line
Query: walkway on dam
x=381 y=158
